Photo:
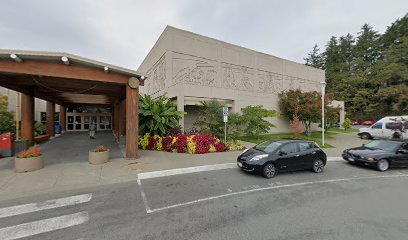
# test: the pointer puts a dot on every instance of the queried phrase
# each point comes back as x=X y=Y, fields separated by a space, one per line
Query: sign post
x=225 y=115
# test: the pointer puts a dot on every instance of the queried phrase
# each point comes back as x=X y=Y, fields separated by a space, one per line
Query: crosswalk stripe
x=50 y=204
x=42 y=226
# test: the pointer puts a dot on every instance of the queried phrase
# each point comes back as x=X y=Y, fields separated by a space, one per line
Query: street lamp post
x=323 y=93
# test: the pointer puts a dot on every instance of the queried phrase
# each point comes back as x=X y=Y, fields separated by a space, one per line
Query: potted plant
x=29 y=160
x=99 y=155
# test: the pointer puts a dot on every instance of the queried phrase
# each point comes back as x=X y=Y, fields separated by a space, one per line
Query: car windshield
x=268 y=146
x=383 y=145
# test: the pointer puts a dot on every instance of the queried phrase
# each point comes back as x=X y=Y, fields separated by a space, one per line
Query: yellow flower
x=212 y=148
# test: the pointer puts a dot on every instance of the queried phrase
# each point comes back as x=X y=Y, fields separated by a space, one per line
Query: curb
x=178 y=171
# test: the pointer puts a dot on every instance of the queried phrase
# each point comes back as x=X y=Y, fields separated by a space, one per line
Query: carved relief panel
x=157 y=76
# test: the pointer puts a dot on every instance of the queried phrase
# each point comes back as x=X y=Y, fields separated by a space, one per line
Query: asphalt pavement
x=343 y=202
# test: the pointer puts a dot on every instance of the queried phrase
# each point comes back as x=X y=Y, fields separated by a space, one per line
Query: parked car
x=379 y=154
x=383 y=128
x=355 y=123
x=270 y=157
x=367 y=123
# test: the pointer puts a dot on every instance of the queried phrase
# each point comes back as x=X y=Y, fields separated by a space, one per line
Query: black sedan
x=272 y=156
x=379 y=154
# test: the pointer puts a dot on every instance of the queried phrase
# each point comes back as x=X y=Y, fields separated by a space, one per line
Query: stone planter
x=98 y=157
x=28 y=164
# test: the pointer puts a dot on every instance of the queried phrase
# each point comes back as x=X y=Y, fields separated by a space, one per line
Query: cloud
x=122 y=32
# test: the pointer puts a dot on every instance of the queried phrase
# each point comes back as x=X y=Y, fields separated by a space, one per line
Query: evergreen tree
x=370 y=72
x=314 y=58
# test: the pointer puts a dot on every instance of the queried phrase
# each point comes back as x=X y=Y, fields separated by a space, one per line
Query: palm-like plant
x=157 y=116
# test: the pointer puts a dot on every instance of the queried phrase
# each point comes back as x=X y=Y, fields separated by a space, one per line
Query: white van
x=383 y=128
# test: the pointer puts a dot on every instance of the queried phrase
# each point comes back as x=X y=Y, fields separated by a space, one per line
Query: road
x=343 y=202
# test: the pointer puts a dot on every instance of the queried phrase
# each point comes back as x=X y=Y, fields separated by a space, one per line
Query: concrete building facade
x=190 y=68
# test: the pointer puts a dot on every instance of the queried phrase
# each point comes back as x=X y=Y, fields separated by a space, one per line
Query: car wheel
x=365 y=136
x=269 y=170
x=318 y=166
x=383 y=165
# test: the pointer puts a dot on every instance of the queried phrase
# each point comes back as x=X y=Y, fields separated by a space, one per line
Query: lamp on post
x=323 y=93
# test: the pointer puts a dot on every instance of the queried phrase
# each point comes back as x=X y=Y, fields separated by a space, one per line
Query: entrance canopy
x=66 y=79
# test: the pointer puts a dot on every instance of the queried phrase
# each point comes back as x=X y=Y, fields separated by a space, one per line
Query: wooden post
x=27 y=118
x=63 y=118
x=50 y=118
x=116 y=119
x=132 y=121
x=121 y=119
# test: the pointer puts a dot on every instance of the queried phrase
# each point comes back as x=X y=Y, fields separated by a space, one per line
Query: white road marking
x=43 y=226
x=143 y=196
x=171 y=172
x=177 y=171
x=269 y=188
x=50 y=204
x=334 y=159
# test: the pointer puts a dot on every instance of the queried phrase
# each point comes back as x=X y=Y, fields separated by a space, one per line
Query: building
x=190 y=68
x=75 y=91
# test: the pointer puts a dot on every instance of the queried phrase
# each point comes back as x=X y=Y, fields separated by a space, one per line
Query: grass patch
x=338 y=130
x=314 y=137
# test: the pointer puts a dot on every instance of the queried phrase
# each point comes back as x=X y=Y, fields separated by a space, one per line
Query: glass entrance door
x=78 y=122
x=70 y=123
x=105 y=122
x=88 y=120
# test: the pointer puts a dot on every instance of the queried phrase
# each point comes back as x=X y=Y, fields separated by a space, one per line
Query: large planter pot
x=28 y=164
x=98 y=157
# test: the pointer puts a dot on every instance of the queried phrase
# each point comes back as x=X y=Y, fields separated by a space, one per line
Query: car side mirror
x=282 y=153
x=402 y=151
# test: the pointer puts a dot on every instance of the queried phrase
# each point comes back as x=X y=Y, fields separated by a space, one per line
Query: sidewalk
x=67 y=167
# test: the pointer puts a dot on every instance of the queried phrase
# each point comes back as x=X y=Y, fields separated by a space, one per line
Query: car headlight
x=258 y=157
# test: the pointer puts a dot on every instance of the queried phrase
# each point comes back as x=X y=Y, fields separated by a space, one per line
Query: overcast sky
x=122 y=32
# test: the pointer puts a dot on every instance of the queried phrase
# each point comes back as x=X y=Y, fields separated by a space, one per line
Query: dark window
x=303 y=146
x=377 y=126
x=289 y=148
x=43 y=117
x=393 y=125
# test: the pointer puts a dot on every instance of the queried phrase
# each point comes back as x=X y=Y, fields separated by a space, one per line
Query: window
x=303 y=146
x=43 y=119
x=393 y=125
x=289 y=148
x=268 y=146
x=377 y=126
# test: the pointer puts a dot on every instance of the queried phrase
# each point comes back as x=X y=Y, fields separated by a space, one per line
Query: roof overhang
x=62 y=77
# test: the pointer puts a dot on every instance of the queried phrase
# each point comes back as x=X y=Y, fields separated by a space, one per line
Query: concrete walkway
x=66 y=167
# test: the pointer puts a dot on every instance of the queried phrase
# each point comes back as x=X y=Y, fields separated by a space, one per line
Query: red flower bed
x=183 y=143
x=33 y=152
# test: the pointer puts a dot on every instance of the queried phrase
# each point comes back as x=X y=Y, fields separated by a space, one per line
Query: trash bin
x=58 y=128
x=6 y=145
x=20 y=145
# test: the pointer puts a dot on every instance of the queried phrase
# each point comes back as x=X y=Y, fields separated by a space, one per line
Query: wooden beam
x=72 y=71
x=132 y=121
x=27 y=118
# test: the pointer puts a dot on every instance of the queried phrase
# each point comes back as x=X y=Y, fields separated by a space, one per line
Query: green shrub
x=234 y=145
x=39 y=129
x=156 y=117
x=7 y=122
x=347 y=124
